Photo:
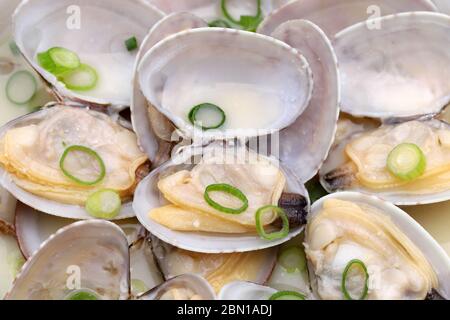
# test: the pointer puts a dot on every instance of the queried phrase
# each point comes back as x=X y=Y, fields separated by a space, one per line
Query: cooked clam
x=91 y=256
x=11 y=259
x=171 y=203
x=33 y=170
x=96 y=31
x=361 y=162
x=357 y=243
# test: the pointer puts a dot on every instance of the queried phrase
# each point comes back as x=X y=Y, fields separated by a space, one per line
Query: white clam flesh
x=335 y=15
x=96 y=31
x=261 y=84
x=403 y=261
x=31 y=149
x=241 y=290
x=397 y=70
x=88 y=255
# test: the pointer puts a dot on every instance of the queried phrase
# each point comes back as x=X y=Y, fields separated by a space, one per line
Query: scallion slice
x=194 y=116
x=361 y=264
x=104 y=204
x=21 y=87
x=58 y=60
x=82 y=294
x=226 y=188
x=84 y=78
x=288 y=295
x=292 y=259
x=407 y=162
x=219 y=23
x=94 y=155
x=249 y=23
x=131 y=44
x=275 y=235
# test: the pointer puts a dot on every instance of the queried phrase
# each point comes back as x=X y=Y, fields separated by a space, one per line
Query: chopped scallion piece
x=249 y=23
x=131 y=44
x=288 y=295
x=194 y=116
x=104 y=204
x=58 y=60
x=226 y=188
x=275 y=235
x=292 y=259
x=219 y=23
x=365 y=291
x=21 y=87
x=83 y=78
x=92 y=154
x=407 y=162
x=82 y=295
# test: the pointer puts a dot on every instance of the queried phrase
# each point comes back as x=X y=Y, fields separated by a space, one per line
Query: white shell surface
x=434 y=253
x=96 y=30
x=333 y=16
x=262 y=84
x=241 y=290
x=147 y=197
x=11 y=261
x=97 y=250
x=306 y=143
x=398 y=70
x=39 y=203
x=147 y=134
x=442 y=6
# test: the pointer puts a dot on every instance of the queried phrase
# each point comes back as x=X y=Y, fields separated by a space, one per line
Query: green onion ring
x=226 y=188
x=275 y=235
x=89 y=152
x=229 y=17
x=193 y=115
x=292 y=294
x=344 y=279
x=219 y=23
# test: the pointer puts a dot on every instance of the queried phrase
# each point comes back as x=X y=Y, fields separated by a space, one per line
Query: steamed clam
x=37 y=167
x=361 y=247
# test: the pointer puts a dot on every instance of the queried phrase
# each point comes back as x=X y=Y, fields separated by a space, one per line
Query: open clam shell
x=96 y=31
x=90 y=255
x=340 y=173
x=397 y=70
x=40 y=203
x=442 y=6
x=184 y=287
x=433 y=253
x=152 y=128
x=232 y=69
x=333 y=16
x=306 y=143
x=148 y=197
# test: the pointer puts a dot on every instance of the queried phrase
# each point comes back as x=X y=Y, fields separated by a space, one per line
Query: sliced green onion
x=288 y=295
x=131 y=44
x=206 y=106
x=275 y=235
x=14 y=48
x=90 y=153
x=58 y=60
x=219 y=23
x=407 y=162
x=83 y=294
x=83 y=78
x=21 y=87
x=249 y=23
x=344 y=279
x=138 y=286
x=226 y=188
x=292 y=259
x=104 y=204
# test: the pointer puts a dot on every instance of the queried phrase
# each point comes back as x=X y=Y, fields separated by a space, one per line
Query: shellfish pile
x=224 y=149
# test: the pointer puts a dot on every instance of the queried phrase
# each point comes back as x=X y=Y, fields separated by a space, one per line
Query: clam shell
x=397 y=70
x=190 y=281
x=147 y=197
x=150 y=133
x=333 y=16
x=434 y=253
x=39 y=203
x=7 y=210
x=103 y=27
x=11 y=260
x=241 y=290
x=306 y=143
x=202 y=58
x=442 y=6
x=96 y=250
